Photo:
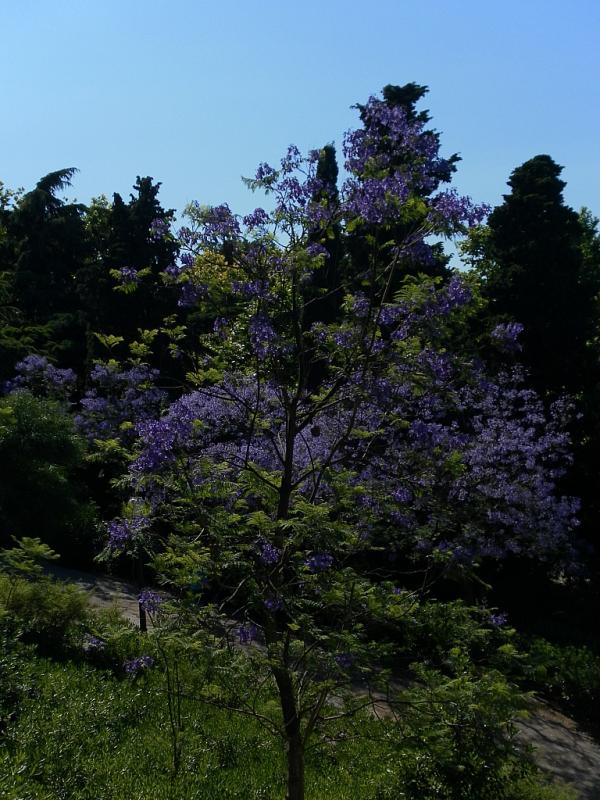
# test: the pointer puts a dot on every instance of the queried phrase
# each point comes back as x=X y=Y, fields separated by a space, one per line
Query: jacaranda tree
x=312 y=459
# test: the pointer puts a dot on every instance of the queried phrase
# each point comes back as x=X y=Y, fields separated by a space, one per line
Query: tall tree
x=129 y=249
x=386 y=160
x=278 y=495
x=44 y=245
x=535 y=274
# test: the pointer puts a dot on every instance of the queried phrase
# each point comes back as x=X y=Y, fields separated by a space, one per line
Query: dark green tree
x=43 y=246
x=126 y=236
x=534 y=273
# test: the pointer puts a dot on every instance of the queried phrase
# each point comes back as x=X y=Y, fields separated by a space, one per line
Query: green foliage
x=115 y=741
x=442 y=634
x=456 y=738
x=41 y=494
x=565 y=673
x=533 y=267
x=26 y=559
x=14 y=684
x=50 y=614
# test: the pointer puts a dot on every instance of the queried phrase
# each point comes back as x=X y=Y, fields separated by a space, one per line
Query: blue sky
x=196 y=93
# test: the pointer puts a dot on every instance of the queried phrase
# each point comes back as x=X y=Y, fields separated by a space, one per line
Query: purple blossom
x=257 y=219
x=39 y=376
x=457 y=211
x=505 y=336
x=218 y=224
x=123 y=531
x=256 y=289
x=292 y=159
x=134 y=666
x=186 y=260
x=314 y=249
x=191 y=293
x=263 y=336
x=265 y=173
x=116 y=397
x=273 y=603
x=150 y=600
x=269 y=554
x=94 y=645
x=498 y=619
x=159 y=228
x=402 y=495
x=128 y=275
x=456 y=294
x=319 y=562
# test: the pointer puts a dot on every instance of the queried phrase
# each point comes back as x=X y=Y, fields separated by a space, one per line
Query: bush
x=44 y=612
x=566 y=673
x=433 y=632
x=40 y=491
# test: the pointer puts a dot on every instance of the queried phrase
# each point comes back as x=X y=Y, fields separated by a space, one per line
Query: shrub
x=44 y=612
x=566 y=673
x=40 y=491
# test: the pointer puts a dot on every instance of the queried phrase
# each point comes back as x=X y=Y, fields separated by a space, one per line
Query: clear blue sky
x=197 y=93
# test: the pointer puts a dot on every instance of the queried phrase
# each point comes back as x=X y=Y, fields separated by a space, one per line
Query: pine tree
x=535 y=274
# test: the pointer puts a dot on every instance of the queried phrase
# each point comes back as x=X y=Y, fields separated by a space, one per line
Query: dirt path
x=562 y=750
x=103 y=591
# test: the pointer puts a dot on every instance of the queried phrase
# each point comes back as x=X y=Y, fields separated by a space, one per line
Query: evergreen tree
x=535 y=274
x=423 y=258
x=129 y=250
x=43 y=245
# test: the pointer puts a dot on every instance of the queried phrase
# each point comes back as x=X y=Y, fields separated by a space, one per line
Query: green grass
x=76 y=727
x=85 y=734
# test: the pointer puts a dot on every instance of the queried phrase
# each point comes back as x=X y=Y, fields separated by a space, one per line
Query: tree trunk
x=293 y=734
x=295 y=759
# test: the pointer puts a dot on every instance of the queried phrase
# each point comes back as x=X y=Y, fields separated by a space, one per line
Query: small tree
x=286 y=502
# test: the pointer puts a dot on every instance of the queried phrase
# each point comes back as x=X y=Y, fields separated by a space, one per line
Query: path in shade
x=561 y=749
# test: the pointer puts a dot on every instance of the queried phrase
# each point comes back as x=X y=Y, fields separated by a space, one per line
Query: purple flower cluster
x=319 y=562
x=247 y=633
x=93 y=644
x=456 y=211
x=391 y=158
x=273 y=603
x=190 y=293
x=506 y=335
x=40 y=377
x=128 y=275
x=116 y=396
x=134 y=666
x=124 y=531
x=256 y=289
x=263 y=336
x=257 y=219
x=159 y=228
x=314 y=250
x=150 y=600
x=268 y=553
